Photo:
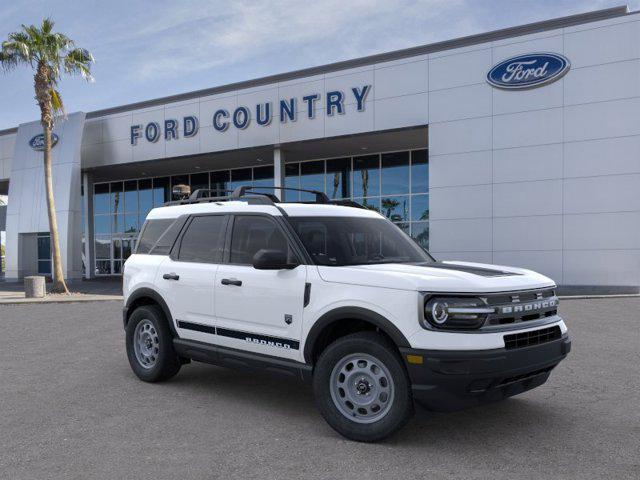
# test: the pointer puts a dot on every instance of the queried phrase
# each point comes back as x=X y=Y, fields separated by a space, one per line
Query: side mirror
x=272 y=260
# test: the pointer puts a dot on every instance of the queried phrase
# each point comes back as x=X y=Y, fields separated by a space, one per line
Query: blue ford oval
x=528 y=71
x=37 y=142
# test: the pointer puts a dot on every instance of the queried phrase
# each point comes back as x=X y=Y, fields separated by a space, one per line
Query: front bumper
x=453 y=380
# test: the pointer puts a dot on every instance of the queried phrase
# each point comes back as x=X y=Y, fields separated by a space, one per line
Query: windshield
x=339 y=241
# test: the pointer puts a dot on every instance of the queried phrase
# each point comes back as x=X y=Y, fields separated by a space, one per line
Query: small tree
x=48 y=54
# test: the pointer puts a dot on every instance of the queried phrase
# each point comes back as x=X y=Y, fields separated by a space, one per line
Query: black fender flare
x=354 y=313
x=144 y=292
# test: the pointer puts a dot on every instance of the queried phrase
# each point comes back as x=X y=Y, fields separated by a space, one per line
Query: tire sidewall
x=377 y=346
x=167 y=363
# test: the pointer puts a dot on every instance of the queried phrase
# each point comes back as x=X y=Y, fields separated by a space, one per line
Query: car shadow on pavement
x=291 y=400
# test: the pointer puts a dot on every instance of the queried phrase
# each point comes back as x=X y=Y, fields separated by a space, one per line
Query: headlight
x=455 y=313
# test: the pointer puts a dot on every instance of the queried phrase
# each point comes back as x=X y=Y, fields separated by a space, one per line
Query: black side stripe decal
x=267 y=340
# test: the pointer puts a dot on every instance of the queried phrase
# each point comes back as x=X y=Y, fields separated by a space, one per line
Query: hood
x=449 y=277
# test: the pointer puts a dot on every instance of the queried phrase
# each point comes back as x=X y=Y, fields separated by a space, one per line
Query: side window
x=153 y=229
x=203 y=242
x=252 y=233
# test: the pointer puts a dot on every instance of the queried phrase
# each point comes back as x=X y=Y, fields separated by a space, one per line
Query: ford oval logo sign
x=528 y=71
x=37 y=142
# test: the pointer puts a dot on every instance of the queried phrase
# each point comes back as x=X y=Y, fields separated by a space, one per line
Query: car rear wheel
x=150 y=345
x=362 y=388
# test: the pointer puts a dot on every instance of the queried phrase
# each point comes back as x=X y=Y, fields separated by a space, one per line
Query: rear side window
x=203 y=241
x=252 y=233
x=152 y=232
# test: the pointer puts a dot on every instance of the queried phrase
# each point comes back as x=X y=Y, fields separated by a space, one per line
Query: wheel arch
x=331 y=319
x=147 y=296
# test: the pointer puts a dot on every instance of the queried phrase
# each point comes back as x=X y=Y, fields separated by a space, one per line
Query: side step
x=239 y=359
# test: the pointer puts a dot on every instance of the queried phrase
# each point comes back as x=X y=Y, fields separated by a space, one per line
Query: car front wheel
x=362 y=388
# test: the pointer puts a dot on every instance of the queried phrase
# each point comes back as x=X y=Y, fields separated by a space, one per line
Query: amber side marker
x=415 y=359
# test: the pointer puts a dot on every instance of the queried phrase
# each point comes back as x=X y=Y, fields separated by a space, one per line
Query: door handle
x=231 y=281
x=171 y=276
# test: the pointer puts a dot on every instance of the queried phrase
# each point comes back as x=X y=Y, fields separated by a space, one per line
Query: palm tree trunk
x=59 y=285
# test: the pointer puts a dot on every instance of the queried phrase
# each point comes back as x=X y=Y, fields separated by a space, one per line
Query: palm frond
x=78 y=62
x=56 y=101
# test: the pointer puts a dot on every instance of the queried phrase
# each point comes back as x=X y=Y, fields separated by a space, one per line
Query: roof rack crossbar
x=321 y=197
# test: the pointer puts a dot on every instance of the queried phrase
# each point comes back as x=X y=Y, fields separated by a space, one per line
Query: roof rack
x=247 y=193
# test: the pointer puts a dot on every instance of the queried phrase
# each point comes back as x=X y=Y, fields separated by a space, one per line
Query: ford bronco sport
x=334 y=294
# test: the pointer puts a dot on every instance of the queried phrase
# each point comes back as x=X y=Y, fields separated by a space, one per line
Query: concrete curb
x=60 y=299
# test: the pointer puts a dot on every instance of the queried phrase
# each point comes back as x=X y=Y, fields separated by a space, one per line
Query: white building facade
x=515 y=147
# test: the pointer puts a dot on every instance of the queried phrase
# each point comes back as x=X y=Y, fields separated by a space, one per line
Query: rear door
x=189 y=273
x=259 y=310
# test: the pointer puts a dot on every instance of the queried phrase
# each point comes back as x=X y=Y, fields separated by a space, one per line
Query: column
x=278 y=172
x=87 y=206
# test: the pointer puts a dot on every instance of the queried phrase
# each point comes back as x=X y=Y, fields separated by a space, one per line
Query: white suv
x=336 y=295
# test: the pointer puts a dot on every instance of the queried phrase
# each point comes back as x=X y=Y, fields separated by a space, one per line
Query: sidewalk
x=81 y=291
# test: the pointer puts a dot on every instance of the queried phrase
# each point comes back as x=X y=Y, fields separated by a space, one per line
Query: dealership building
x=516 y=147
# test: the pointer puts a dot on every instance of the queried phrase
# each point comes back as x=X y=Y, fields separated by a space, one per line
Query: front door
x=259 y=310
x=188 y=277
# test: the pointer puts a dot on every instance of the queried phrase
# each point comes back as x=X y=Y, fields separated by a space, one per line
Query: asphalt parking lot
x=70 y=408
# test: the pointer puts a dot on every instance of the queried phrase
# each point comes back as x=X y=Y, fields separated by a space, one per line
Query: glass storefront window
x=395 y=173
x=339 y=178
x=131 y=196
x=419 y=171
x=395 y=209
x=199 y=181
x=395 y=184
x=161 y=191
x=220 y=182
x=101 y=198
x=311 y=178
x=116 y=197
x=263 y=176
x=366 y=176
x=239 y=177
x=419 y=207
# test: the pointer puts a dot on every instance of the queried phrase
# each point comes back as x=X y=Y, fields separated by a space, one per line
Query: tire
x=152 y=358
x=363 y=369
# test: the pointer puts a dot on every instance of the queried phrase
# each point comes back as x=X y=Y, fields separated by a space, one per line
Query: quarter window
x=151 y=233
x=204 y=240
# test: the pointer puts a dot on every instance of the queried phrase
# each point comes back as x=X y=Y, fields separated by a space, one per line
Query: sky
x=150 y=49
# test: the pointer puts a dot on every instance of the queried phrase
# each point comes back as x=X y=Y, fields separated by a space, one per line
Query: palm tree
x=49 y=54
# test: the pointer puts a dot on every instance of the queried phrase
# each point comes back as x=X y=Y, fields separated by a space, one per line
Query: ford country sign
x=37 y=142
x=528 y=71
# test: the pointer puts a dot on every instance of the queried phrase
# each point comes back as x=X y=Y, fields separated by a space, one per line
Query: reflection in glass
x=370 y=203
x=117 y=223
x=366 y=176
x=145 y=196
x=420 y=171
x=338 y=178
x=130 y=223
x=127 y=247
x=395 y=173
x=103 y=267
x=117 y=248
x=404 y=227
x=220 y=182
x=131 y=196
x=263 y=177
x=44 y=247
x=101 y=198
x=200 y=181
x=420 y=232
x=116 y=197
x=101 y=224
x=292 y=180
x=102 y=247
x=160 y=191
x=311 y=178
x=419 y=207
x=117 y=267
x=396 y=209
x=239 y=177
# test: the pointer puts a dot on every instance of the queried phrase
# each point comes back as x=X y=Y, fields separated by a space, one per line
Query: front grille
x=525 y=306
x=534 y=337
